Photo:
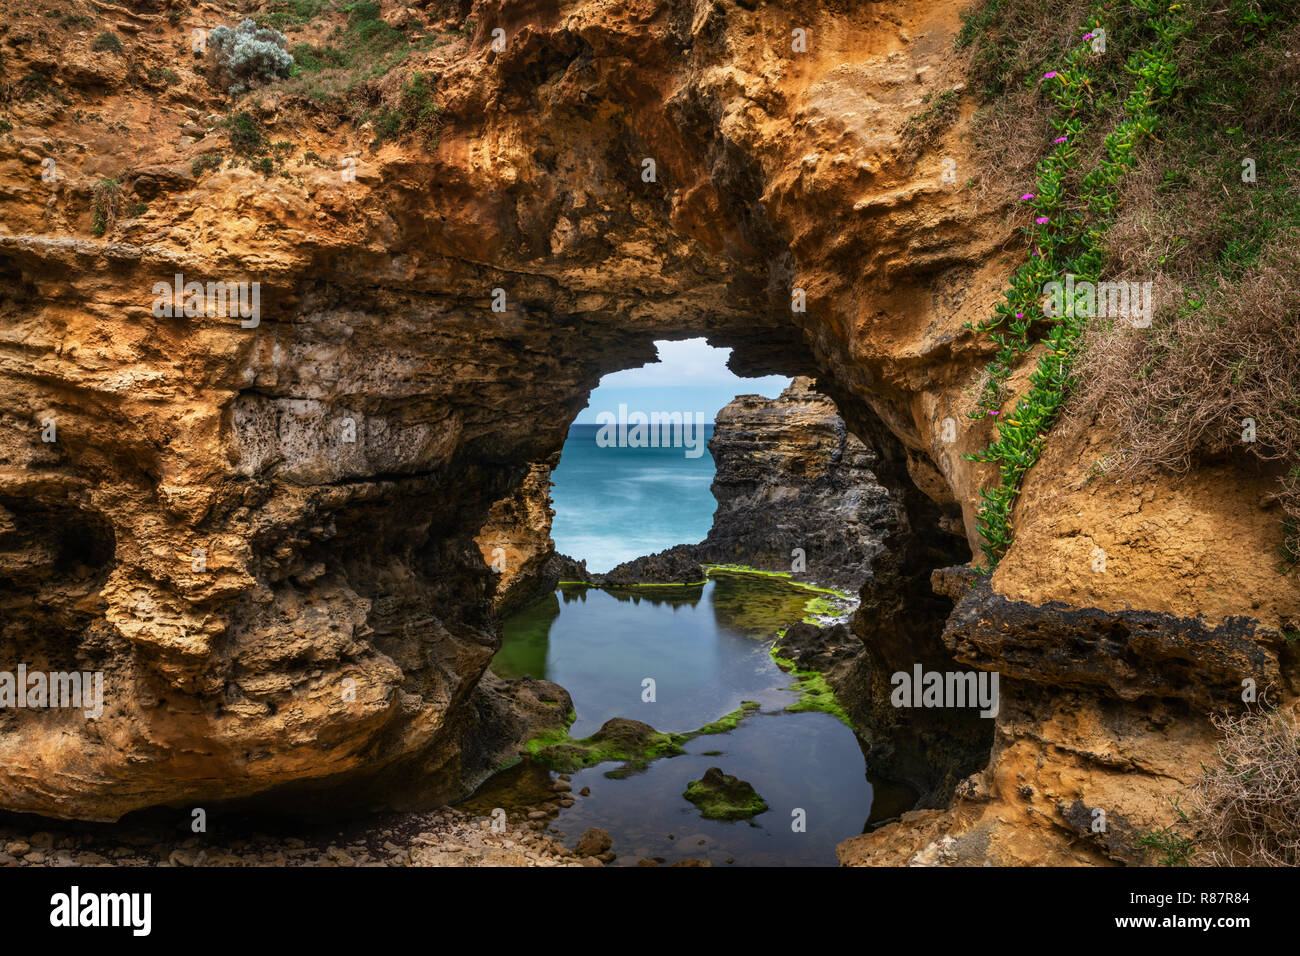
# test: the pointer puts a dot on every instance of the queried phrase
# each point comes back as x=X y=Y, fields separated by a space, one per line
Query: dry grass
x=1224 y=345
x=1181 y=390
x=1248 y=804
x=1187 y=388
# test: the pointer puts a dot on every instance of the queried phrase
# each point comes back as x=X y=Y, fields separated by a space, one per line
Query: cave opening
x=710 y=539
x=635 y=473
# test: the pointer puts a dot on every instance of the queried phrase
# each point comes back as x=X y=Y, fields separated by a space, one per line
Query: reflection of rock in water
x=527 y=638
x=520 y=788
x=756 y=604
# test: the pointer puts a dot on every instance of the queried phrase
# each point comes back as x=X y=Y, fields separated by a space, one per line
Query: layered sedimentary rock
x=264 y=534
x=516 y=541
x=795 y=490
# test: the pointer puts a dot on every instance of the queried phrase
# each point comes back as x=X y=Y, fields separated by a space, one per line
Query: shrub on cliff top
x=246 y=56
x=1248 y=804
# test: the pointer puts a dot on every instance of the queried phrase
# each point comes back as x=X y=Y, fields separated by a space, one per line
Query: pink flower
x=1059 y=139
x=1051 y=73
x=994 y=414
x=1089 y=36
x=1020 y=315
x=1041 y=220
x=1026 y=197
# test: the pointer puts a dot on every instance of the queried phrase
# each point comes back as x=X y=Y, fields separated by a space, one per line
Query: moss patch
x=721 y=796
x=633 y=743
x=813 y=690
x=783 y=575
x=728 y=723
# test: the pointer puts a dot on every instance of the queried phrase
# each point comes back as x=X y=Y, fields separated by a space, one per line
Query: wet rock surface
x=720 y=796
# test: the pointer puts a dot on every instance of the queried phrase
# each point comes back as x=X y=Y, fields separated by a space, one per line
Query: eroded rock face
x=265 y=534
x=1073 y=779
x=516 y=541
x=795 y=490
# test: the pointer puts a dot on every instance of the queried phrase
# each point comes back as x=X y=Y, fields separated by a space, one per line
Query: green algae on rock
x=814 y=691
x=721 y=796
x=633 y=742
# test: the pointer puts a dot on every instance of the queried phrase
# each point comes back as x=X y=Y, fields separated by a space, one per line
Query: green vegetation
x=1170 y=848
x=364 y=48
x=106 y=204
x=727 y=723
x=107 y=42
x=1065 y=240
x=416 y=112
x=33 y=85
x=721 y=796
x=340 y=72
x=1175 y=158
x=630 y=742
x=814 y=692
x=161 y=74
x=294 y=14
x=246 y=137
x=205 y=162
x=923 y=128
x=784 y=575
x=1214 y=216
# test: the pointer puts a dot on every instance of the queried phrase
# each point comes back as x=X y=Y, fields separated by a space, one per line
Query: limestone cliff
x=516 y=540
x=264 y=535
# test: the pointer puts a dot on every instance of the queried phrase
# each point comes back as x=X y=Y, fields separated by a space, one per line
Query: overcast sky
x=690 y=376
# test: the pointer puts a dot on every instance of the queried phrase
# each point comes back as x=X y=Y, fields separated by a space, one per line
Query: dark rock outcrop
x=795 y=490
x=1127 y=654
x=675 y=565
x=503 y=716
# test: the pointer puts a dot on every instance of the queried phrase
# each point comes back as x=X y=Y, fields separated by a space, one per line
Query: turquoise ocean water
x=615 y=504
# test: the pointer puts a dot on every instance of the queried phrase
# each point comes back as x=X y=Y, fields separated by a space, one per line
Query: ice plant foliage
x=1062 y=245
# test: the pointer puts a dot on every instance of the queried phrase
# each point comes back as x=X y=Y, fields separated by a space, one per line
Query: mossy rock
x=721 y=796
x=631 y=741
